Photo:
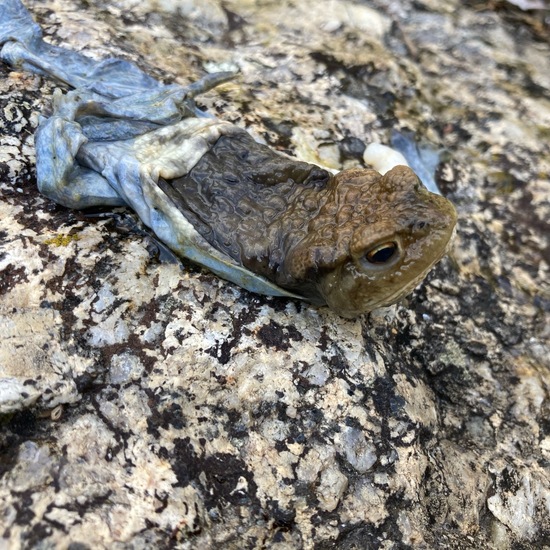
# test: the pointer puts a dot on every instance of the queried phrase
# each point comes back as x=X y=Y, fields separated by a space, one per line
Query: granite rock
x=146 y=403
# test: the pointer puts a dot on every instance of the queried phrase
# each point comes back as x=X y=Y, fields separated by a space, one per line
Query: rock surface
x=148 y=404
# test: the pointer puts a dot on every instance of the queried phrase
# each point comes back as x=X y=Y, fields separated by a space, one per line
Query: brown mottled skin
x=354 y=241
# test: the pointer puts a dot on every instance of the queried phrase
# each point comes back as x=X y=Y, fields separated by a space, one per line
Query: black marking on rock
x=277 y=336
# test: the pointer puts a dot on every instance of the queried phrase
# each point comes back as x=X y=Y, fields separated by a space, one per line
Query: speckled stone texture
x=151 y=405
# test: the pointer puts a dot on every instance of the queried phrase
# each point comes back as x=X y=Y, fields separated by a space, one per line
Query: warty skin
x=354 y=241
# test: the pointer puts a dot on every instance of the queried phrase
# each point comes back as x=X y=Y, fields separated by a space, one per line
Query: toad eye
x=382 y=253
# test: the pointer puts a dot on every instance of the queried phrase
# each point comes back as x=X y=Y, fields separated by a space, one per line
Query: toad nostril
x=418 y=226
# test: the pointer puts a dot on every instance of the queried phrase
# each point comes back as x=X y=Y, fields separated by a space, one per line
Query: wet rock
x=149 y=404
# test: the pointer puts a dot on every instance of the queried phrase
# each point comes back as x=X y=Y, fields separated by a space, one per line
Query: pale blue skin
x=422 y=159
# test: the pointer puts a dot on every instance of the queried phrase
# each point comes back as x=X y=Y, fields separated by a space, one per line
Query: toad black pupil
x=383 y=255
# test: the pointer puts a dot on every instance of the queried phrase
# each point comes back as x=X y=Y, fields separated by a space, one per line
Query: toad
x=274 y=225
